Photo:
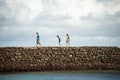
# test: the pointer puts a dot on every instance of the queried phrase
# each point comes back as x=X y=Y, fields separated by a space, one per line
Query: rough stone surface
x=19 y=59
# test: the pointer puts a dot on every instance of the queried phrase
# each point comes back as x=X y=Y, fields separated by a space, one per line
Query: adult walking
x=37 y=40
x=67 y=40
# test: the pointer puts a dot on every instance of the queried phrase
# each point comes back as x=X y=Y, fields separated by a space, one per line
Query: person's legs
x=59 y=44
x=39 y=43
x=67 y=43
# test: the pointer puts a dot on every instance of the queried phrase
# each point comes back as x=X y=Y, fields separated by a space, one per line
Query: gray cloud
x=19 y=21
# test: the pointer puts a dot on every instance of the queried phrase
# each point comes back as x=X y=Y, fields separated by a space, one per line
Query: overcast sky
x=88 y=22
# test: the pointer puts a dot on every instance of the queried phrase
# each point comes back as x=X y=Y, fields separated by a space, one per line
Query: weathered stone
x=31 y=65
x=70 y=55
x=59 y=58
x=1 y=66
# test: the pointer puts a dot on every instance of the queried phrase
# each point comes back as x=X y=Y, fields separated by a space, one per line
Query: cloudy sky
x=88 y=22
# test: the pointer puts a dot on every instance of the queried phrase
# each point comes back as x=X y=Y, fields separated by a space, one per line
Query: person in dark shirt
x=37 y=40
x=59 y=40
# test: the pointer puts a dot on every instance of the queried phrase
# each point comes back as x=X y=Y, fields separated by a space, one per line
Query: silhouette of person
x=67 y=40
x=37 y=40
x=59 y=40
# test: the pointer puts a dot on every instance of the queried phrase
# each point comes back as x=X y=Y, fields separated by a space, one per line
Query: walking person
x=67 y=40
x=37 y=40
x=59 y=40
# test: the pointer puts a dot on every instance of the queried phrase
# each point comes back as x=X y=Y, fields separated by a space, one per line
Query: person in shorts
x=67 y=40
x=37 y=40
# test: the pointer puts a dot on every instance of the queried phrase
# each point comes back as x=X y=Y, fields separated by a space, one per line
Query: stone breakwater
x=14 y=59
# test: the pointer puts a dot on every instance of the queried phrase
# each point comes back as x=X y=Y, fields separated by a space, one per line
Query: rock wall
x=59 y=58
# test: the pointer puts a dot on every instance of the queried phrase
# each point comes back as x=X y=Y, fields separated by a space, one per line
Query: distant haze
x=88 y=22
